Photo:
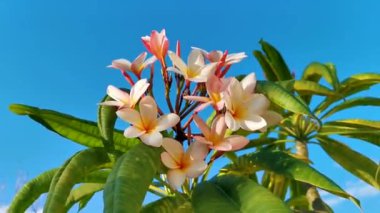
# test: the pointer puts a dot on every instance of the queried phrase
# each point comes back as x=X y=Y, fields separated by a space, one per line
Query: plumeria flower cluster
x=198 y=83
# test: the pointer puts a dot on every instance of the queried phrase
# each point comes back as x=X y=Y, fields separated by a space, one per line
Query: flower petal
x=178 y=62
x=152 y=139
x=111 y=103
x=139 y=60
x=176 y=178
x=237 y=142
x=167 y=121
x=204 y=73
x=121 y=64
x=197 y=150
x=258 y=104
x=218 y=126
x=231 y=122
x=148 y=111
x=173 y=148
x=196 y=98
x=168 y=161
x=222 y=146
x=249 y=83
x=253 y=123
x=195 y=59
x=149 y=61
x=196 y=168
x=272 y=117
x=131 y=116
x=118 y=95
x=138 y=90
x=133 y=132
x=202 y=126
x=203 y=140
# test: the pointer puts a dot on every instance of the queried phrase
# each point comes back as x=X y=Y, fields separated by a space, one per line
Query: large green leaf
x=78 y=130
x=130 y=179
x=283 y=164
x=168 y=205
x=77 y=167
x=354 y=162
x=106 y=123
x=232 y=193
x=280 y=96
x=304 y=87
x=31 y=191
x=278 y=64
x=354 y=102
x=315 y=71
x=266 y=66
x=365 y=130
x=82 y=192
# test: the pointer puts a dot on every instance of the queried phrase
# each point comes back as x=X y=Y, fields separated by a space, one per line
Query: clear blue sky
x=53 y=55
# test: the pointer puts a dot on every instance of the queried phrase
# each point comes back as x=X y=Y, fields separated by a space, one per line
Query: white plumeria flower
x=215 y=87
x=215 y=138
x=137 y=66
x=145 y=123
x=244 y=108
x=196 y=70
x=216 y=56
x=122 y=99
x=182 y=164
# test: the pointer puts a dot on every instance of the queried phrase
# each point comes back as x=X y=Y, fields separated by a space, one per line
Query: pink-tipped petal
x=133 y=132
x=167 y=121
x=121 y=64
x=202 y=126
x=196 y=98
x=237 y=142
x=249 y=83
x=138 y=90
x=152 y=139
x=202 y=106
x=118 y=95
x=130 y=115
x=148 y=111
x=222 y=146
x=168 y=161
x=203 y=140
x=176 y=178
x=197 y=150
x=149 y=61
x=231 y=122
x=196 y=168
x=218 y=126
x=139 y=60
x=173 y=148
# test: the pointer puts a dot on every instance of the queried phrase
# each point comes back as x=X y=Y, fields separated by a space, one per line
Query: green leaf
x=31 y=191
x=169 y=205
x=106 y=123
x=278 y=95
x=354 y=102
x=315 y=71
x=78 y=130
x=354 y=162
x=354 y=128
x=283 y=164
x=266 y=66
x=363 y=81
x=77 y=167
x=130 y=179
x=280 y=68
x=304 y=87
x=231 y=193
x=82 y=192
